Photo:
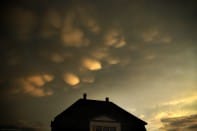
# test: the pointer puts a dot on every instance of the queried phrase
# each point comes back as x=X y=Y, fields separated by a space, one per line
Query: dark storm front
x=94 y=115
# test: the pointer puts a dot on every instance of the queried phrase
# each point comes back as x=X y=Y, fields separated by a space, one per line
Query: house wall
x=104 y=121
x=83 y=125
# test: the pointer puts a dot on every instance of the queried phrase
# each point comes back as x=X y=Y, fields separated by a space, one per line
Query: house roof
x=85 y=109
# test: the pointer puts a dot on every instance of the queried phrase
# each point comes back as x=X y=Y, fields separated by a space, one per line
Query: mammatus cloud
x=33 y=85
x=21 y=22
x=72 y=40
x=154 y=35
x=88 y=79
x=57 y=58
x=114 y=38
x=72 y=33
x=93 y=26
x=71 y=79
x=74 y=37
x=53 y=18
x=91 y=64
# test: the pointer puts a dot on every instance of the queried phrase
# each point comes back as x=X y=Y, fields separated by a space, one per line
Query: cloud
x=174 y=108
x=88 y=20
x=76 y=37
x=118 y=47
x=71 y=34
x=150 y=57
x=184 y=123
x=154 y=35
x=113 y=60
x=93 y=26
x=114 y=38
x=21 y=22
x=91 y=64
x=56 y=41
x=51 y=23
x=150 y=35
x=88 y=79
x=71 y=79
x=48 y=77
x=23 y=126
x=186 y=100
x=34 y=85
x=100 y=53
x=15 y=128
x=57 y=58
x=53 y=18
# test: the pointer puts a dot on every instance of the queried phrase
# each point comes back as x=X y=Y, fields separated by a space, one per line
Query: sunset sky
x=142 y=54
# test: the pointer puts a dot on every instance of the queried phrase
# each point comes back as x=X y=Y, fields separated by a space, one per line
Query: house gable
x=88 y=115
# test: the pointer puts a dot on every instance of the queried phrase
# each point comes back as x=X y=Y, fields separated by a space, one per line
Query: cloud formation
x=70 y=40
x=114 y=38
x=33 y=85
x=185 y=123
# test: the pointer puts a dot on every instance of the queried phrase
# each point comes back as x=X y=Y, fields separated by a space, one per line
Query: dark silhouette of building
x=94 y=115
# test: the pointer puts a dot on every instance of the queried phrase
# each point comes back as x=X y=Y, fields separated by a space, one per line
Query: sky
x=142 y=54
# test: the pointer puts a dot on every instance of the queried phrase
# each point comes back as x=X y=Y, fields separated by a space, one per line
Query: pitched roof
x=85 y=109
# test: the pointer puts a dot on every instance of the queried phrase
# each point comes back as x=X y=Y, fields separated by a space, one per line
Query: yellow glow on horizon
x=155 y=122
x=172 y=109
x=189 y=99
x=172 y=114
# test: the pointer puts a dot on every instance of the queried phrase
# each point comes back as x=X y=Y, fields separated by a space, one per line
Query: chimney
x=84 y=96
x=107 y=99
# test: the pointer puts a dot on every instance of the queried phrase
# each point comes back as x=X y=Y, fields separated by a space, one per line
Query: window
x=104 y=123
x=98 y=128
x=105 y=128
x=112 y=129
x=101 y=128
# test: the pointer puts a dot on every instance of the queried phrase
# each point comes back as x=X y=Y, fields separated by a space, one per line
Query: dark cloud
x=185 y=123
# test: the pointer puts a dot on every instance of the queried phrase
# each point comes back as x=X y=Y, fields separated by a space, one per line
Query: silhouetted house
x=93 y=115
